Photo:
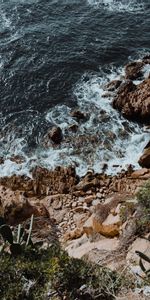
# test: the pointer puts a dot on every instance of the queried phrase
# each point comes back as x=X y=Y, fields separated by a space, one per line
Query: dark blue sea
x=55 y=56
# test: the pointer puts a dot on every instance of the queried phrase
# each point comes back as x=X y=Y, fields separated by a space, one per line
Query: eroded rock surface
x=134 y=101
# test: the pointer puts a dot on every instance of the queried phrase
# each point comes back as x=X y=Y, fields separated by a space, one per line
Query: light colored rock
x=73 y=234
x=82 y=246
x=74 y=204
x=96 y=202
x=99 y=195
x=89 y=199
x=88 y=226
x=112 y=220
x=132 y=258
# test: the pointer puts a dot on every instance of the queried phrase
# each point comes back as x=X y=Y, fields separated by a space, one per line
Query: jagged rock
x=17 y=159
x=134 y=101
x=113 y=85
x=55 y=134
x=139 y=173
x=88 y=226
x=16 y=208
x=144 y=160
x=78 y=115
x=73 y=128
x=108 y=230
x=133 y=70
x=1 y=160
x=74 y=234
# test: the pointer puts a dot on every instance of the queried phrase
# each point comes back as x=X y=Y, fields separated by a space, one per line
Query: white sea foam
x=119 y=5
x=105 y=137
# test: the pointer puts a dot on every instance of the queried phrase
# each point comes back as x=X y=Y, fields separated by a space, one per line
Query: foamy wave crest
x=104 y=137
x=119 y=5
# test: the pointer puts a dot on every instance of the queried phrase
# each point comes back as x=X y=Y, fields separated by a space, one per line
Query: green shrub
x=40 y=274
x=143 y=195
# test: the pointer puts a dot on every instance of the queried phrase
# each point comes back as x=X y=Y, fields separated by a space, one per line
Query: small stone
x=74 y=204
x=96 y=202
x=89 y=199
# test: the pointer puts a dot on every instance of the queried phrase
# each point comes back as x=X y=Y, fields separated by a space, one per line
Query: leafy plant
x=143 y=195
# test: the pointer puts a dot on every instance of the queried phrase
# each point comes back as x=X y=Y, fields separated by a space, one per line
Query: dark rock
x=17 y=159
x=78 y=115
x=144 y=160
x=55 y=134
x=73 y=128
x=134 y=70
x=113 y=85
x=1 y=160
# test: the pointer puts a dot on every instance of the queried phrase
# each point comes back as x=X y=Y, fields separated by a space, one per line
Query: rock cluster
x=133 y=100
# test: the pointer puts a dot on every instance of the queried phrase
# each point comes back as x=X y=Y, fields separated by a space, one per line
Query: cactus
x=147 y=259
x=2 y=221
x=6 y=233
x=23 y=238
x=30 y=231
x=15 y=249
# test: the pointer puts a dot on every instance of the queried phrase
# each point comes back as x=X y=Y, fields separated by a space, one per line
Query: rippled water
x=56 y=55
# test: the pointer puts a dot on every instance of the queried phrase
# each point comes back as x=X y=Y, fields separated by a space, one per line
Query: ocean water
x=57 y=55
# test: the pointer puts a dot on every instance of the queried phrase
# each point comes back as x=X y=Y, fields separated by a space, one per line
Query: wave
x=119 y=5
x=104 y=137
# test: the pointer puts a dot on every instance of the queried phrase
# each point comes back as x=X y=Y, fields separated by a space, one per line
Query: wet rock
x=146 y=59
x=133 y=70
x=1 y=160
x=55 y=134
x=78 y=115
x=17 y=159
x=73 y=128
x=144 y=160
x=134 y=101
x=113 y=85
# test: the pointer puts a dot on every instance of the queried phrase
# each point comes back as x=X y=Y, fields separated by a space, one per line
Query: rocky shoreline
x=95 y=216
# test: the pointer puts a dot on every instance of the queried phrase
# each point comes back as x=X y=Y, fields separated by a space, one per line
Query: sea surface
x=58 y=55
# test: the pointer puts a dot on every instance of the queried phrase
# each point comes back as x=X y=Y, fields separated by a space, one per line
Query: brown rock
x=113 y=85
x=134 y=101
x=55 y=134
x=144 y=160
x=111 y=230
x=78 y=115
x=73 y=128
x=73 y=234
x=17 y=159
x=89 y=199
x=138 y=173
x=134 y=70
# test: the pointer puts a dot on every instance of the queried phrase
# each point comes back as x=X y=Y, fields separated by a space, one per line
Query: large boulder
x=144 y=160
x=134 y=101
